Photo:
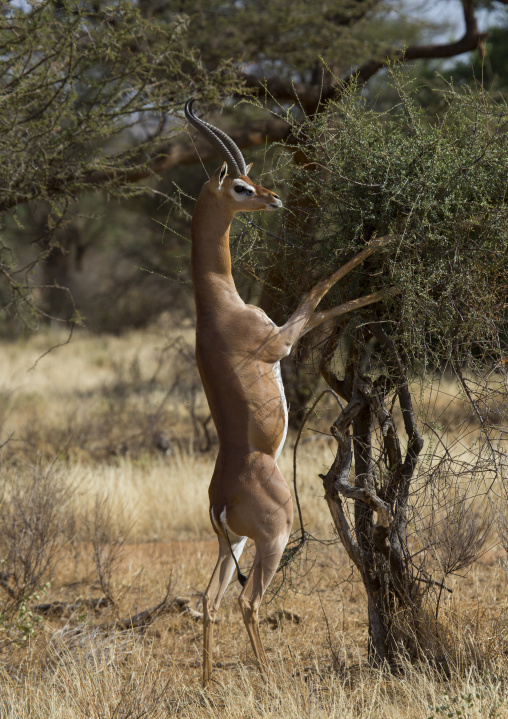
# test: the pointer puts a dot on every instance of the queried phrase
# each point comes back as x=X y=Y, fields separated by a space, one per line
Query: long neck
x=210 y=255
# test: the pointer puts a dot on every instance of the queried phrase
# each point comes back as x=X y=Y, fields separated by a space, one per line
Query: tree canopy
x=439 y=185
x=89 y=91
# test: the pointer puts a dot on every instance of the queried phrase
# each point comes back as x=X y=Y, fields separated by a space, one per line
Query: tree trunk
x=378 y=646
x=379 y=486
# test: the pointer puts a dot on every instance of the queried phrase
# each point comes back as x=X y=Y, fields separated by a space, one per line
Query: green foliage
x=28 y=621
x=89 y=96
x=86 y=92
x=439 y=186
x=282 y=37
x=22 y=624
x=465 y=706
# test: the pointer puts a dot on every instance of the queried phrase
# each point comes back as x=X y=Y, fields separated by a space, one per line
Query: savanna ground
x=107 y=438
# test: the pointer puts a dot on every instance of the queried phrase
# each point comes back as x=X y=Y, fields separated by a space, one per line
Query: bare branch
x=337 y=477
x=470 y=41
x=415 y=440
x=310 y=96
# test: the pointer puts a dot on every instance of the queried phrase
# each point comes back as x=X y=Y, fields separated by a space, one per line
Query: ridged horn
x=224 y=145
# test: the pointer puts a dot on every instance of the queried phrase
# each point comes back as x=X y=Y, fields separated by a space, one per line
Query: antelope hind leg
x=265 y=565
x=219 y=581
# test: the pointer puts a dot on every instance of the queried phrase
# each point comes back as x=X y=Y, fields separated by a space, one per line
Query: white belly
x=276 y=369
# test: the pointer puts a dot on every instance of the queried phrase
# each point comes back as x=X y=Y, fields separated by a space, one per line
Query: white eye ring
x=242 y=189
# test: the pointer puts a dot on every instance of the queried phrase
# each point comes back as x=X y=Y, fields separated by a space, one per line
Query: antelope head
x=230 y=181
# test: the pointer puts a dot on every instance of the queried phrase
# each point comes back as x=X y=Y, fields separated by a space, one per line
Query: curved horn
x=224 y=145
x=231 y=146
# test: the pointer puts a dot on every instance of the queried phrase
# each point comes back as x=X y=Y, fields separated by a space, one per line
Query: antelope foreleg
x=317 y=318
x=321 y=288
x=304 y=319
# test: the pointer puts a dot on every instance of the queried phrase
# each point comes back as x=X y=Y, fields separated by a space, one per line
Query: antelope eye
x=239 y=189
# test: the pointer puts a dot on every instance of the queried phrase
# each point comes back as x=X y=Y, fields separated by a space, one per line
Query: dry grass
x=79 y=404
x=84 y=682
x=81 y=666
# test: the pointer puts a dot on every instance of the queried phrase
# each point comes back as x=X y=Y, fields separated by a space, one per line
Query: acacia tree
x=408 y=489
x=89 y=93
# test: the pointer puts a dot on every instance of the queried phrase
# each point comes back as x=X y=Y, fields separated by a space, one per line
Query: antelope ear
x=247 y=169
x=222 y=173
